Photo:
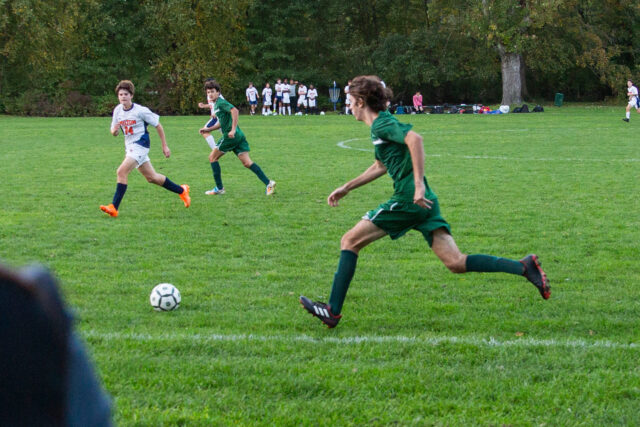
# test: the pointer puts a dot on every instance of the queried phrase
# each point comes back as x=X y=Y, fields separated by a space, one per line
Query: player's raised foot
x=534 y=273
x=320 y=310
x=215 y=191
x=625 y=120
x=185 y=195
x=110 y=210
x=271 y=187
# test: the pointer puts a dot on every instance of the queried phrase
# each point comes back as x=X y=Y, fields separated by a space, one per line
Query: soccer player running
x=133 y=120
x=413 y=206
x=233 y=139
x=634 y=101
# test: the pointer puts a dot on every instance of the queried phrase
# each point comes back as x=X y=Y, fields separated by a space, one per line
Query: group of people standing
x=277 y=101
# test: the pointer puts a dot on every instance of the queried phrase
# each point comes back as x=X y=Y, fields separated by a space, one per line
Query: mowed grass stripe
x=372 y=339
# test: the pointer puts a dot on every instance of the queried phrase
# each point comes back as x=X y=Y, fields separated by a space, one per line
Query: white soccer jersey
x=633 y=98
x=279 y=89
x=266 y=95
x=312 y=94
x=346 y=95
x=285 y=93
x=252 y=93
x=302 y=91
x=134 y=122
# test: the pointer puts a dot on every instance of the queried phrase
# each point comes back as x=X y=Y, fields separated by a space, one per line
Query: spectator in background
x=286 y=97
x=417 y=103
x=347 y=101
x=292 y=91
x=266 y=99
x=278 y=102
x=312 y=94
x=302 y=99
x=252 y=97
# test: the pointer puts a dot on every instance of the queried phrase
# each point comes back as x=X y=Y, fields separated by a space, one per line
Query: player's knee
x=247 y=163
x=350 y=242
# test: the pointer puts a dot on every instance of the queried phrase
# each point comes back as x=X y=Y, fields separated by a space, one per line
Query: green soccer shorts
x=396 y=218
x=236 y=145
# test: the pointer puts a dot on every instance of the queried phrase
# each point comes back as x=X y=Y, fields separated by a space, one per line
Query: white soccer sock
x=628 y=114
x=211 y=141
x=289 y=109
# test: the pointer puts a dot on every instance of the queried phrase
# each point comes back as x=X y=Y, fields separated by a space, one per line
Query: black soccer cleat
x=534 y=273
x=625 y=120
x=321 y=310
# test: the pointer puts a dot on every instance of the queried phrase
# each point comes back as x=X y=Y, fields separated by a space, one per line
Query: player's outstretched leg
x=217 y=177
x=112 y=208
x=534 y=273
x=320 y=310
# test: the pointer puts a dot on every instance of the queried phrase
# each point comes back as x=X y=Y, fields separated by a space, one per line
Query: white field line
x=367 y=339
x=343 y=144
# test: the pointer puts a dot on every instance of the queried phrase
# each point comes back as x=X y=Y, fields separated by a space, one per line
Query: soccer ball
x=322 y=113
x=165 y=297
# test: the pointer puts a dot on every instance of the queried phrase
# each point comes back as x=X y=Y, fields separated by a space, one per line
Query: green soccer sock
x=492 y=264
x=256 y=169
x=342 y=279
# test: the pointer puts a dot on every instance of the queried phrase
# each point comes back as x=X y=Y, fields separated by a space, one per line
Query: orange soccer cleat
x=110 y=210
x=185 y=195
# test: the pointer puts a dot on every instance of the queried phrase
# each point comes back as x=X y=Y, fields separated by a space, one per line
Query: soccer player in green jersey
x=233 y=139
x=414 y=206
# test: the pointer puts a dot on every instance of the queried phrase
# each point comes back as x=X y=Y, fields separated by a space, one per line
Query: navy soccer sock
x=119 y=194
x=172 y=186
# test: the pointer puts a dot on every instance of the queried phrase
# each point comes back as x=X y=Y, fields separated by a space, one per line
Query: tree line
x=64 y=57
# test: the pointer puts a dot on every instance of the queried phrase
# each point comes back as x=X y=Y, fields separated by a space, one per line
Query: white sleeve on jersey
x=114 y=120
x=149 y=116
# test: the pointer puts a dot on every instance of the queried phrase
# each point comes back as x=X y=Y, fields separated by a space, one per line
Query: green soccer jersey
x=222 y=110
x=387 y=136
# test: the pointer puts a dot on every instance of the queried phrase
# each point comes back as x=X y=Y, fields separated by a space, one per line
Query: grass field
x=417 y=345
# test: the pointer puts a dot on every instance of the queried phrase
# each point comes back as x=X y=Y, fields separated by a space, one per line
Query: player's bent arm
x=234 y=120
x=373 y=172
x=416 y=149
x=211 y=129
x=163 y=140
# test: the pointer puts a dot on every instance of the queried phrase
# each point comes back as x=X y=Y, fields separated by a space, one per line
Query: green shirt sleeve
x=391 y=130
x=224 y=105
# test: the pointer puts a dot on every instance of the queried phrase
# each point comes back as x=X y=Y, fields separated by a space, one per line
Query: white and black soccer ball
x=165 y=297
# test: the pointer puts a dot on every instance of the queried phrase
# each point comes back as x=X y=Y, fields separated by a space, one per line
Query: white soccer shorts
x=138 y=153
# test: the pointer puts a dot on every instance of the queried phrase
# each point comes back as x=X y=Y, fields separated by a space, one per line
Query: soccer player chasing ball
x=133 y=120
x=414 y=206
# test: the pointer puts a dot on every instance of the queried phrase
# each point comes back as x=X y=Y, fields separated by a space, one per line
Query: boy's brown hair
x=126 y=85
x=371 y=91
x=212 y=84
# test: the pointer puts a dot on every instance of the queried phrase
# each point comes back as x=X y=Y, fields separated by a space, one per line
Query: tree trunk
x=512 y=76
